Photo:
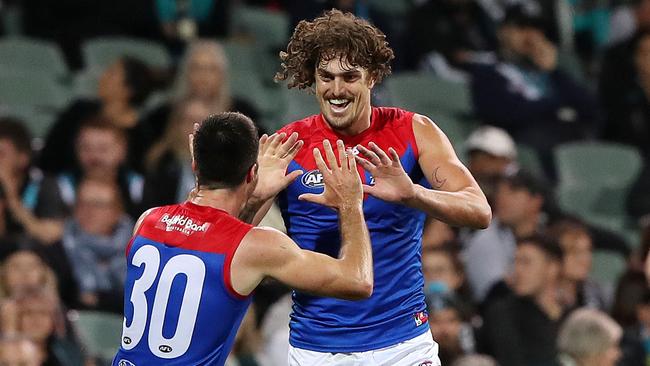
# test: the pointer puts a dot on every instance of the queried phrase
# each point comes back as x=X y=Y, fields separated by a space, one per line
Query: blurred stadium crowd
x=546 y=101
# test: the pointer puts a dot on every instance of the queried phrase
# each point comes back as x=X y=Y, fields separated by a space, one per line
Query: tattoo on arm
x=437 y=182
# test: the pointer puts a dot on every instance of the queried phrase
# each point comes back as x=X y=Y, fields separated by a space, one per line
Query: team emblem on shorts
x=421 y=318
x=313 y=179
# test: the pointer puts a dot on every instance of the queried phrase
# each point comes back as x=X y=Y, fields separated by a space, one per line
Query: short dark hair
x=98 y=122
x=14 y=130
x=139 y=79
x=524 y=179
x=225 y=148
x=547 y=245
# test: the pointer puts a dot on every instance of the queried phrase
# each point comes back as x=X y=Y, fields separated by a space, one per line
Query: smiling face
x=343 y=92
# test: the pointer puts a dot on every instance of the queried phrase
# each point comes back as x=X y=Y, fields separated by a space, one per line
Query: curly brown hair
x=334 y=34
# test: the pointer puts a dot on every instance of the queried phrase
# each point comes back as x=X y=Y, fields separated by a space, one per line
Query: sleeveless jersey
x=396 y=311
x=179 y=304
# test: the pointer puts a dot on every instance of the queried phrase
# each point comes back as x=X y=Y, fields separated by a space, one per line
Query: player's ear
x=252 y=173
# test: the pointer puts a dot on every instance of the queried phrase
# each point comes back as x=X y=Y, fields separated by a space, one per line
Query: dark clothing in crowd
x=517 y=332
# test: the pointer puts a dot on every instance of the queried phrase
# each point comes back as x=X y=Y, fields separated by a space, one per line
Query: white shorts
x=418 y=351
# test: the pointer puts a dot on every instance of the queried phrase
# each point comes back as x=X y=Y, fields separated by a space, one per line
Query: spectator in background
x=24 y=271
x=576 y=289
x=492 y=154
x=123 y=89
x=635 y=343
x=25 y=205
x=101 y=152
x=449 y=320
x=20 y=351
x=94 y=241
x=169 y=176
x=525 y=93
x=448 y=34
x=443 y=271
x=489 y=254
x=521 y=329
x=202 y=75
x=589 y=338
x=625 y=94
x=38 y=316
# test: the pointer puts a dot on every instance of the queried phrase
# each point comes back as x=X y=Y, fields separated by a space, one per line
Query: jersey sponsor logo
x=181 y=224
x=421 y=318
x=124 y=362
x=313 y=179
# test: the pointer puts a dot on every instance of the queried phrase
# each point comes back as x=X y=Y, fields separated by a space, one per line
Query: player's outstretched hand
x=275 y=154
x=392 y=184
x=341 y=179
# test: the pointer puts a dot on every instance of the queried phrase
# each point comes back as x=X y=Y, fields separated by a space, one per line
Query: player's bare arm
x=268 y=252
x=455 y=198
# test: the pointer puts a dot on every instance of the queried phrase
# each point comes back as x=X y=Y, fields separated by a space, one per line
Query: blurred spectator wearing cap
x=492 y=154
x=449 y=320
x=488 y=254
x=25 y=205
x=123 y=89
x=525 y=92
x=521 y=329
x=589 y=337
x=576 y=288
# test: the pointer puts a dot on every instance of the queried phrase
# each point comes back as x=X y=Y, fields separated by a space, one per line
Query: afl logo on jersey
x=165 y=348
x=313 y=179
x=124 y=362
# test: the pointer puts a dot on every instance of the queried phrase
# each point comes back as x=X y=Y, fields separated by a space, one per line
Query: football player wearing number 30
x=193 y=266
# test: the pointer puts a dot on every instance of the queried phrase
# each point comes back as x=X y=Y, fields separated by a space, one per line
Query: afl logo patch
x=124 y=362
x=165 y=348
x=313 y=179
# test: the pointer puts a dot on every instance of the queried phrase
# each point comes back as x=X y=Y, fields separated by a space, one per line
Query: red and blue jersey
x=180 y=307
x=396 y=311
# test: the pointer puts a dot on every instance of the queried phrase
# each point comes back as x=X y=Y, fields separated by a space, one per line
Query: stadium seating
x=422 y=91
x=32 y=55
x=594 y=180
x=32 y=89
x=98 y=53
x=98 y=332
x=269 y=30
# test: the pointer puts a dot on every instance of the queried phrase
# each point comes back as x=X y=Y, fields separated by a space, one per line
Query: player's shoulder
x=392 y=114
x=263 y=244
x=302 y=126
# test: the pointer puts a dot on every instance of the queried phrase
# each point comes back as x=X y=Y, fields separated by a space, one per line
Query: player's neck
x=226 y=199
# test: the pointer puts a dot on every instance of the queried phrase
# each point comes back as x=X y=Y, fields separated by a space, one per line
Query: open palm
x=392 y=184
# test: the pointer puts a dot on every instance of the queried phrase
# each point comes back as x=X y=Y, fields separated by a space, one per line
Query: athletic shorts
x=418 y=351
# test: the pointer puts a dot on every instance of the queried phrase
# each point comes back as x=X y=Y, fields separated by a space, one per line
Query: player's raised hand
x=392 y=184
x=275 y=154
x=341 y=179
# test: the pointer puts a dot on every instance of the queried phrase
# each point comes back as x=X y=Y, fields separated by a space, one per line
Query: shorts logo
x=124 y=362
x=421 y=318
x=313 y=179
